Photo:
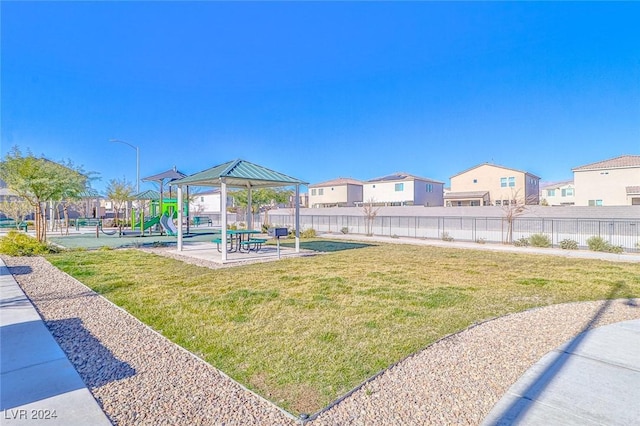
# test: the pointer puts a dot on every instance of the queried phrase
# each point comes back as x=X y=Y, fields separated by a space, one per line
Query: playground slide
x=168 y=225
x=147 y=223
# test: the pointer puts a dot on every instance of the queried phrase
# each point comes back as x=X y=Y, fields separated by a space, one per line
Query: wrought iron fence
x=618 y=232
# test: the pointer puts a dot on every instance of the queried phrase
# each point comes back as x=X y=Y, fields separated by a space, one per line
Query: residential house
x=340 y=192
x=207 y=202
x=558 y=193
x=613 y=182
x=403 y=189
x=493 y=185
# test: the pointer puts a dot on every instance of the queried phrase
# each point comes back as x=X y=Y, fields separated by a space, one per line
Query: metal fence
x=618 y=232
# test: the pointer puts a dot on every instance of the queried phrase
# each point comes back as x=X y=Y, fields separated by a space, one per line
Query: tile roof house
x=612 y=182
x=340 y=192
x=558 y=193
x=403 y=189
x=490 y=184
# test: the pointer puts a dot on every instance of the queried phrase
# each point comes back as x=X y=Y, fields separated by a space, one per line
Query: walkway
x=39 y=383
x=592 y=380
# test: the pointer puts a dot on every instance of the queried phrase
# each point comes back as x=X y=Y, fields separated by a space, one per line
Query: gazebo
x=238 y=174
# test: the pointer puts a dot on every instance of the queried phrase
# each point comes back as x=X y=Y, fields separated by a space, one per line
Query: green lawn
x=303 y=331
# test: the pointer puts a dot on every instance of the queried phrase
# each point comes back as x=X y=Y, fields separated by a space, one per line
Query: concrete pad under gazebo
x=238 y=174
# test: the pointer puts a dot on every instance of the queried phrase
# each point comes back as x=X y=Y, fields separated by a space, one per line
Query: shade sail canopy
x=171 y=175
x=241 y=174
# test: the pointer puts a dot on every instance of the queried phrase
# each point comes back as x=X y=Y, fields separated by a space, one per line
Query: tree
x=38 y=180
x=16 y=208
x=120 y=192
x=262 y=199
x=370 y=213
x=516 y=207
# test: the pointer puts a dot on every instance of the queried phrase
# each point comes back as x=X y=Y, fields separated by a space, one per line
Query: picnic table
x=240 y=240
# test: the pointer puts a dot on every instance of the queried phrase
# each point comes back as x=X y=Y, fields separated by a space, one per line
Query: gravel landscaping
x=139 y=377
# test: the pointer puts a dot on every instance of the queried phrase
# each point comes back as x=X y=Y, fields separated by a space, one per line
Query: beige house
x=613 y=182
x=403 y=189
x=558 y=194
x=490 y=184
x=340 y=192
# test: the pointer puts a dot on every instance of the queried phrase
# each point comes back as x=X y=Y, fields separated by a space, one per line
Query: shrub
x=19 y=244
x=600 y=244
x=345 y=230
x=481 y=240
x=446 y=237
x=540 y=240
x=568 y=244
x=265 y=228
x=522 y=242
x=308 y=233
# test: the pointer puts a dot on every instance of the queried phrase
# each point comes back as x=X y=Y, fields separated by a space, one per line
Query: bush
x=600 y=244
x=568 y=244
x=522 y=242
x=345 y=230
x=308 y=233
x=265 y=228
x=19 y=244
x=540 y=240
x=481 y=240
x=446 y=237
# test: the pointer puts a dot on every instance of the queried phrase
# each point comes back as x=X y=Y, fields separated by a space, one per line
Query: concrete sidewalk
x=594 y=379
x=39 y=383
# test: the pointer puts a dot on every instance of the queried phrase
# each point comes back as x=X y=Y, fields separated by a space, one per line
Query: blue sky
x=320 y=90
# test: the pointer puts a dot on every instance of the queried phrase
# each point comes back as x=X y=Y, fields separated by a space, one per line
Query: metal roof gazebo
x=238 y=174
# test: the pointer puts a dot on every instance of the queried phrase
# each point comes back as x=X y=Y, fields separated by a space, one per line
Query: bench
x=10 y=223
x=256 y=242
x=197 y=220
x=87 y=222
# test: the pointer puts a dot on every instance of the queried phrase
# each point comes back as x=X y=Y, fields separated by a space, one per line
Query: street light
x=137 y=161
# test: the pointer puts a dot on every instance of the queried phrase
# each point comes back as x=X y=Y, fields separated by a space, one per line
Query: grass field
x=303 y=331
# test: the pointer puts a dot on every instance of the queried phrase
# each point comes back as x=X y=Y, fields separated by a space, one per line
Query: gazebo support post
x=180 y=214
x=223 y=217
x=297 y=218
x=249 y=210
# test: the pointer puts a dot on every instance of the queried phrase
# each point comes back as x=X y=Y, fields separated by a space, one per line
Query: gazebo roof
x=239 y=173
x=149 y=194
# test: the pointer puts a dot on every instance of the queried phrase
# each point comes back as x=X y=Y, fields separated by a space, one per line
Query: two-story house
x=403 y=189
x=340 y=192
x=558 y=193
x=490 y=184
x=613 y=182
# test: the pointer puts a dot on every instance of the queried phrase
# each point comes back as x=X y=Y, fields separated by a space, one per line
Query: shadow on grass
x=326 y=246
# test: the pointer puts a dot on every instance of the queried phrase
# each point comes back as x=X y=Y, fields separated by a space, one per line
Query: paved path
x=39 y=383
x=594 y=379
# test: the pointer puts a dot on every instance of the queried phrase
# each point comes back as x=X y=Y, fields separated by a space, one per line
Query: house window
x=512 y=181
x=503 y=182
x=498 y=203
x=595 y=202
x=202 y=199
x=567 y=192
x=505 y=202
x=399 y=187
x=321 y=191
x=313 y=192
x=551 y=192
x=429 y=187
x=474 y=203
x=475 y=181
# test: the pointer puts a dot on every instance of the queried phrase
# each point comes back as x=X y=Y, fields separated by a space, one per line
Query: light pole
x=137 y=161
